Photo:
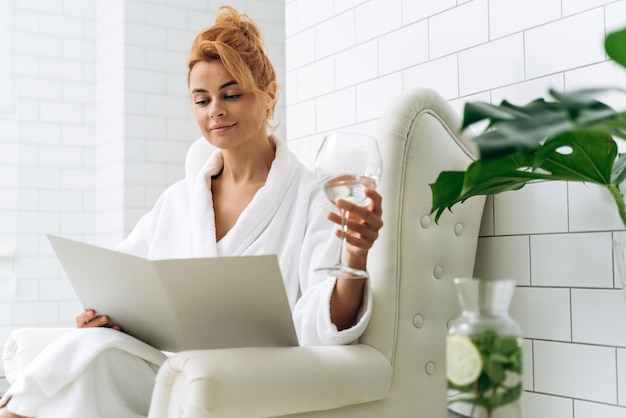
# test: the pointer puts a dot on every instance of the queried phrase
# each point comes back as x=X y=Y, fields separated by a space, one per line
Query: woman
x=251 y=197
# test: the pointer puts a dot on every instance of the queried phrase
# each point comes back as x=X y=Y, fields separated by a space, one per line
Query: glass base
x=343 y=272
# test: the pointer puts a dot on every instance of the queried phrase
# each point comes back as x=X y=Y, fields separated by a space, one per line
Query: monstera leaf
x=569 y=137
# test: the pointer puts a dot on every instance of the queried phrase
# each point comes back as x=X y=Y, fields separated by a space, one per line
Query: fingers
x=364 y=222
x=89 y=319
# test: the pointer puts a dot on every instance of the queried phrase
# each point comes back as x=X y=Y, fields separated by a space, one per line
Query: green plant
x=569 y=138
x=499 y=382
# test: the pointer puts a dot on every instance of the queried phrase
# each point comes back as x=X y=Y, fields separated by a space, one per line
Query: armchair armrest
x=23 y=345
x=264 y=382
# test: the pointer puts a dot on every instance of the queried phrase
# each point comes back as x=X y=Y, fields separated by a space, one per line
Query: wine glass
x=346 y=164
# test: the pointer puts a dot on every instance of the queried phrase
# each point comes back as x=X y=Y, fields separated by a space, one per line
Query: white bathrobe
x=104 y=373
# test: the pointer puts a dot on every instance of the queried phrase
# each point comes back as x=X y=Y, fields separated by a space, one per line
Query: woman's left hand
x=362 y=227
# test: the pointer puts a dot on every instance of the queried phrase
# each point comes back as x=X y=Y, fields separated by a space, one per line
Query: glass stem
x=344 y=229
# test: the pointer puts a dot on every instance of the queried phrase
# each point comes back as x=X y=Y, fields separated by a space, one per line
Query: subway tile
x=36 y=267
x=61 y=69
x=597 y=316
x=316 y=79
x=538 y=405
x=621 y=376
x=166 y=151
x=573 y=370
x=403 y=48
x=494 y=64
x=527 y=365
x=356 y=65
x=310 y=13
x=39 y=89
x=145 y=173
x=22 y=290
x=62 y=26
x=510 y=16
x=486 y=223
x=335 y=34
x=6 y=314
x=604 y=75
x=542 y=313
x=572 y=260
x=615 y=15
x=145 y=126
x=61 y=112
x=58 y=289
x=36 y=313
x=61 y=201
x=459 y=28
x=416 y=10
x=336 y=110
x=584 y=409
x=300 y=49
x=441 y=75
x=504 y=257
x=38 y=45
x=343 y=5
x=36 y=177
x=289 y=91
x=77 y=223
x=166 y=61
x=78 y=92
x=166 y=16
x=64 y=157
x=167 y=106
x=536 y=208
x=386 y=13
x=79 y=8
x=591 y=208
x=301 y=119
x=371 y=96
x=565 y=44
x=145 y=81
x=571 y=7
x=40 y=132
x=526 y=91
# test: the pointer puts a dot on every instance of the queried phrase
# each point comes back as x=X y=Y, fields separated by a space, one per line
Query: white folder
x=183 y=304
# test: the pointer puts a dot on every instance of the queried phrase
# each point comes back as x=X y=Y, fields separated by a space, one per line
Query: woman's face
x=227 y=115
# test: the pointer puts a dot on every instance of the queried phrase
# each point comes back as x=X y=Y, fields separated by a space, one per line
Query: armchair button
x=458 y=229
x=425 y=221
x=418 y=321
x=430 y=368
x=438 y=272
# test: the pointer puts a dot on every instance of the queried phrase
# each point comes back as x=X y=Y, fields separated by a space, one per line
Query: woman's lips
x=220 y=129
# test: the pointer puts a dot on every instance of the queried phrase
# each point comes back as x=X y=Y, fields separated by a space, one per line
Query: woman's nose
x=216 y=111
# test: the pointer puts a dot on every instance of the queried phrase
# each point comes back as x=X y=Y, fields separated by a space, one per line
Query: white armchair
x=398 y=367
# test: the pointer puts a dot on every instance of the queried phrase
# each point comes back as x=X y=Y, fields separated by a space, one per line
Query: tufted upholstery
x=397 y=369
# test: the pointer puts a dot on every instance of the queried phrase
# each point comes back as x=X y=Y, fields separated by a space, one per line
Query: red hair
x=236 y=41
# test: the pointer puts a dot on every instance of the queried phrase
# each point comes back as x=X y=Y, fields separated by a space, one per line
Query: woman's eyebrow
x=222 y=87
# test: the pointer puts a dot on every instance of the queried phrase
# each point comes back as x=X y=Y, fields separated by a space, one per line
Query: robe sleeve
x=312 y=310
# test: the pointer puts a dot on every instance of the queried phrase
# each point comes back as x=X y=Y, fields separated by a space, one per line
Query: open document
x=183 y=304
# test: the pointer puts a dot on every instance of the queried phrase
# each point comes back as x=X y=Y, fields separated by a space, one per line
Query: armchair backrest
x=413 y=263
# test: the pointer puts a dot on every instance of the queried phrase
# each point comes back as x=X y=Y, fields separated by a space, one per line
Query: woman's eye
x=232 y=96
x=201 y=102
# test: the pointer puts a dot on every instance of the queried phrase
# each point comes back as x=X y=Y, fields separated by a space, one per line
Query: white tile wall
x=511 y=16
x=554 y=238
x=567 y=43
x=494 y=64
x=575 y=370
x=545 y=406
x=577 y=260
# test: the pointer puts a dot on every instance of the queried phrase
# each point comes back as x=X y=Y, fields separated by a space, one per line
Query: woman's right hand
x=89 y=319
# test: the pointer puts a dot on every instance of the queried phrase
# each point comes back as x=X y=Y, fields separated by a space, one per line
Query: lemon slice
x=463 y=360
